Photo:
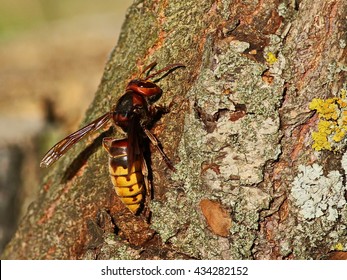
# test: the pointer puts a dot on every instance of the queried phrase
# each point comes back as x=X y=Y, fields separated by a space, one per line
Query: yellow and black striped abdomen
x=129 y=183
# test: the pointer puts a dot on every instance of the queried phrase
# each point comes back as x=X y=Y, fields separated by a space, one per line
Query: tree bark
x=239 y=133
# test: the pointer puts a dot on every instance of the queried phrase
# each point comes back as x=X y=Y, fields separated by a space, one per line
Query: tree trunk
x=252 y=181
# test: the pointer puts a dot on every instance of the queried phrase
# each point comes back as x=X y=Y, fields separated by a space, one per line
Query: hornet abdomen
x=128 y=181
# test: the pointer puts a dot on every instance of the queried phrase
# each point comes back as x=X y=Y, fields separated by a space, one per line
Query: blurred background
x=52 y=55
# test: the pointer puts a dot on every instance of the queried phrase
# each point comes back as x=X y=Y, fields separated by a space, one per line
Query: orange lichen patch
x=237 y=115
x=51 y=251
x=332 y=125
x=216 y=216
x=267 y=77
x=49 y=211
x=207 y=165
x=240 y=112
x=46 y=187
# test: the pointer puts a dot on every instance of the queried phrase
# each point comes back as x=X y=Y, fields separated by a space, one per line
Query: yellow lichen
x=271 y=58
x=339 y=134
x=337 y=247
x=332 y=124
x=326 y=108
x=342 y=103
x=343 y=119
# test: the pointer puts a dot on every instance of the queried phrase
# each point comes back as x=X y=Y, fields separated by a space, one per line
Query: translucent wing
x=64 y=145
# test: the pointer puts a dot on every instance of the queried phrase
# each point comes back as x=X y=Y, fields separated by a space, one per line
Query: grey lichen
x=316 y=195
x=245 y=141
x=182 y=227
x=240 y=149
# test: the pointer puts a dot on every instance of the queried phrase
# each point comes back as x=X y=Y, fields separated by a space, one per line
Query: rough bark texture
x=239 y=133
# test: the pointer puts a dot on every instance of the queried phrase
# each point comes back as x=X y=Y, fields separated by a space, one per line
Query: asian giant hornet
x=134 y=112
